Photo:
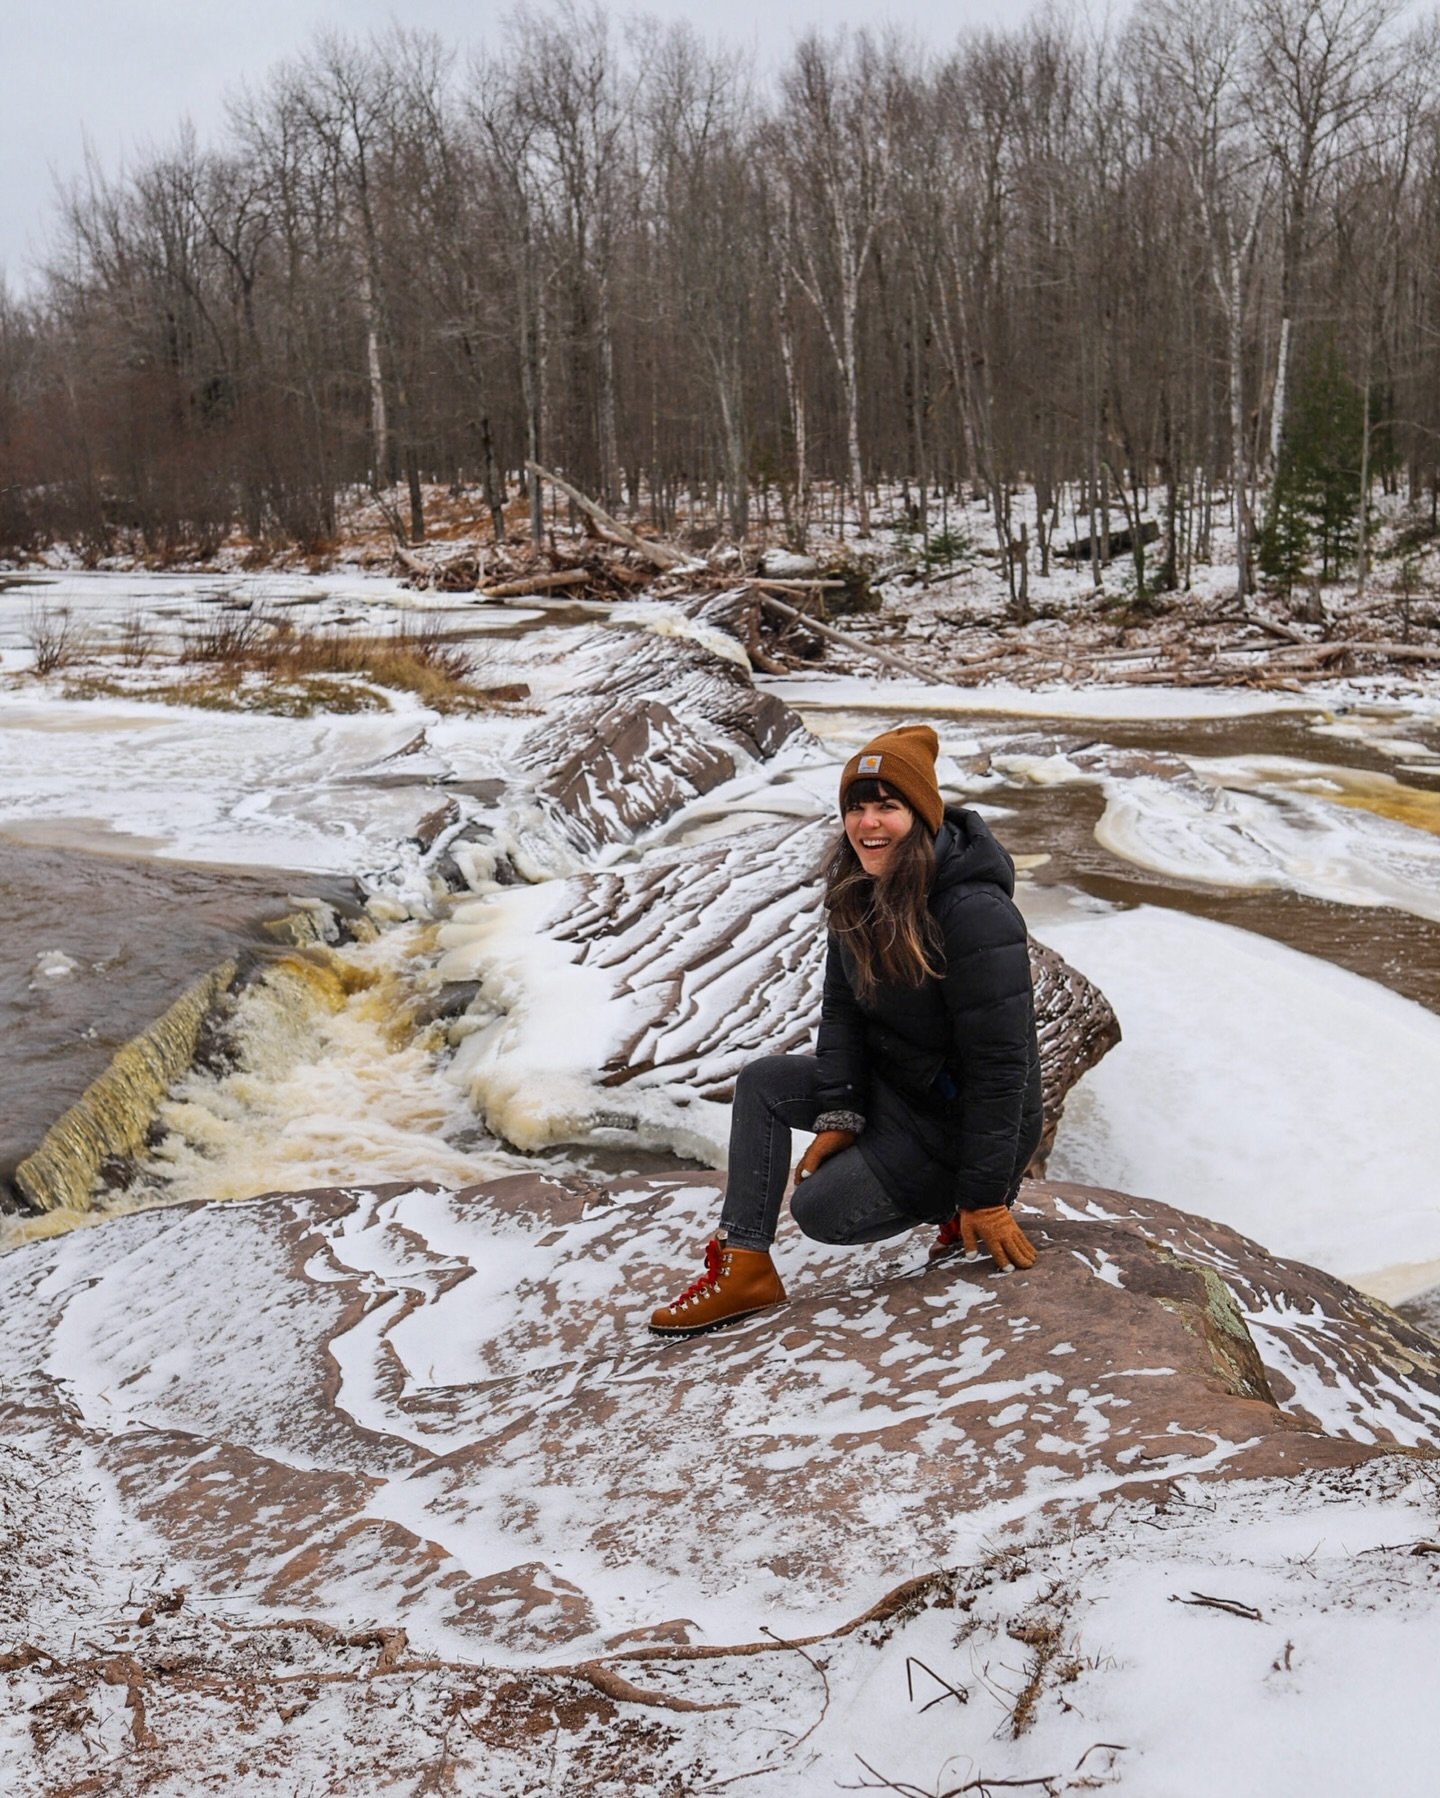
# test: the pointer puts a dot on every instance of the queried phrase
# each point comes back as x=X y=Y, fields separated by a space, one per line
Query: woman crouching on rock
x=924 y=1090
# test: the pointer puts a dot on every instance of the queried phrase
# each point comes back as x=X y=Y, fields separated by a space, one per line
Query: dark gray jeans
x=841 y=1202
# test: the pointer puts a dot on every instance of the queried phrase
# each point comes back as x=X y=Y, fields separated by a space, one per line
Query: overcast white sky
x=123 y=73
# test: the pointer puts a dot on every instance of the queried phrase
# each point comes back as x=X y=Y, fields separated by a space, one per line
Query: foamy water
x=336 y=1082
x=1324 y=830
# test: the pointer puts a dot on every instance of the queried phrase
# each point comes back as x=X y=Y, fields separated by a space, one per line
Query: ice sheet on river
x=1248 y=822
x=1264 y=1088
x=227 y=787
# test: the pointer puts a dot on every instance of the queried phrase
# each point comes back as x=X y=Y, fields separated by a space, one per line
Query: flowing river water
x=104 y=932
x=98 y=941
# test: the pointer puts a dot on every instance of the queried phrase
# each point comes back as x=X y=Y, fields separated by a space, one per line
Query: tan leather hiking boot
x=736 y=1283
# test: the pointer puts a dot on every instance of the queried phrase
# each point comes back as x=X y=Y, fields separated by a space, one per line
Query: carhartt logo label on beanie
x=905 y=760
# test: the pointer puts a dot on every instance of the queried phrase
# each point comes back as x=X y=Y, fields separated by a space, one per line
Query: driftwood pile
x=615 y=562
x=1252 y=650
x=783 y=622
x=1199 y=645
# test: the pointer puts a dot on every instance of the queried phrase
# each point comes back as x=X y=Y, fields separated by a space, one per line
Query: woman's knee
x=775 y=1077
x=816 y=1215
x=843 y=1202
x=823 y=1204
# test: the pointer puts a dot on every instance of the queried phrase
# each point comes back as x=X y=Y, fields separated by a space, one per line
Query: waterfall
x=111 y=1117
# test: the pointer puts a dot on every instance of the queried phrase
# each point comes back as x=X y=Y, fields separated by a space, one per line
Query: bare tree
x=1060 y=267
x=835 y=140
x=1196 y=53
x=1317 y=70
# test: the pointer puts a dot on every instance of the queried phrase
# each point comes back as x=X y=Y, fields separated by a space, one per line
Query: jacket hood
x=967 y=854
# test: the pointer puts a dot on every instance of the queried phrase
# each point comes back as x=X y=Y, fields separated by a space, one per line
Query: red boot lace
x=949 y=1233
x=710 y=1277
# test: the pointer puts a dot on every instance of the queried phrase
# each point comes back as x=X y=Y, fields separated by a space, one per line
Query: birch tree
x=836 y=140
x=1198 y=50
x=1317 y=71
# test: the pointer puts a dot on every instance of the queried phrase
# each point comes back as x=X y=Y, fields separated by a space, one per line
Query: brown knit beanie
x=905 y=760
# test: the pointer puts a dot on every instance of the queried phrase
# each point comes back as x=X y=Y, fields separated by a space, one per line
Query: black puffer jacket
x=946 y=1074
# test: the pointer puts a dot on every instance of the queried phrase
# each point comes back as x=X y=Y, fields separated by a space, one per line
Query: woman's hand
x=826 y=1144
x=996 y=1228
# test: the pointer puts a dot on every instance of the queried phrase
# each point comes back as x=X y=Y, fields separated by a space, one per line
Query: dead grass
x=222 y=692
x=248 y=660
x=245 y=660
x=138 y=640
x=53 y=639
x=1044 y=1636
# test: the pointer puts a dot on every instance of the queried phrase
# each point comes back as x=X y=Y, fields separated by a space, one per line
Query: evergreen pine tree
x=1316 y=498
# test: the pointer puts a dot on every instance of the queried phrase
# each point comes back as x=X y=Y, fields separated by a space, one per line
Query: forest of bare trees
x=1117 y=269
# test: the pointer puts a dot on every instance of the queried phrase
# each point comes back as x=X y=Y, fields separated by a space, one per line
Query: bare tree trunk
x=852 y=412
x=379 y=417
x=416 y=494
x=1282 y=383
x=1236 y=347
x=737 y=474
x=1166 y=580
x=1362 y=521
x=796 y=396
x=494 y=486
x=605 y=357
x=531 y=389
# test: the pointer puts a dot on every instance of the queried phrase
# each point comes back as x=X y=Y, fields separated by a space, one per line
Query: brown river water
x=1382 y=943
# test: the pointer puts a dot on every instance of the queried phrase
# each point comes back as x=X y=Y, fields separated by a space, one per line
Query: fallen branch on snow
x=1231 y=1605
x=535 y=583
x=660 y=555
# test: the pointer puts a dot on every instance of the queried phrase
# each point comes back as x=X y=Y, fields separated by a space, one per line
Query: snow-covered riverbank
x=1229 y=1057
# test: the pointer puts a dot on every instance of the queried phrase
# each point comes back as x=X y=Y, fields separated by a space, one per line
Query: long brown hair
x=885 y=923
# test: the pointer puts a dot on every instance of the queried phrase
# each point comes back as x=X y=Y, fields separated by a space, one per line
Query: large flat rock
x=369 y=1490
x=442 y=1410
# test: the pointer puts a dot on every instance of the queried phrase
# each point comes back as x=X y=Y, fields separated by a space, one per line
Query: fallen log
x=769 y=586
x=1121 y=542
x=1276 y=629
x=1294 y=656
x=535 y=583
x=1298 y=655
x=1401 y=652
x=854 y=644
x=660 y=555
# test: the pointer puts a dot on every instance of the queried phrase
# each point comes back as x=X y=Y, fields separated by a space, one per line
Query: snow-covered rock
x=631 y=998
x=405 y=1438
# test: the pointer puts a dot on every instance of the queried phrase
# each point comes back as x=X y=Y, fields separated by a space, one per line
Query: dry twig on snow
x=1232 y=1605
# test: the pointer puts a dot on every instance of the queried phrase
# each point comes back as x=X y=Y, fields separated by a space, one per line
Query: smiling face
x=875 y=825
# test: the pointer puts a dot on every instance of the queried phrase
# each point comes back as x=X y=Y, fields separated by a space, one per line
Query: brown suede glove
x=996 y=1228
x=826 y=1144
